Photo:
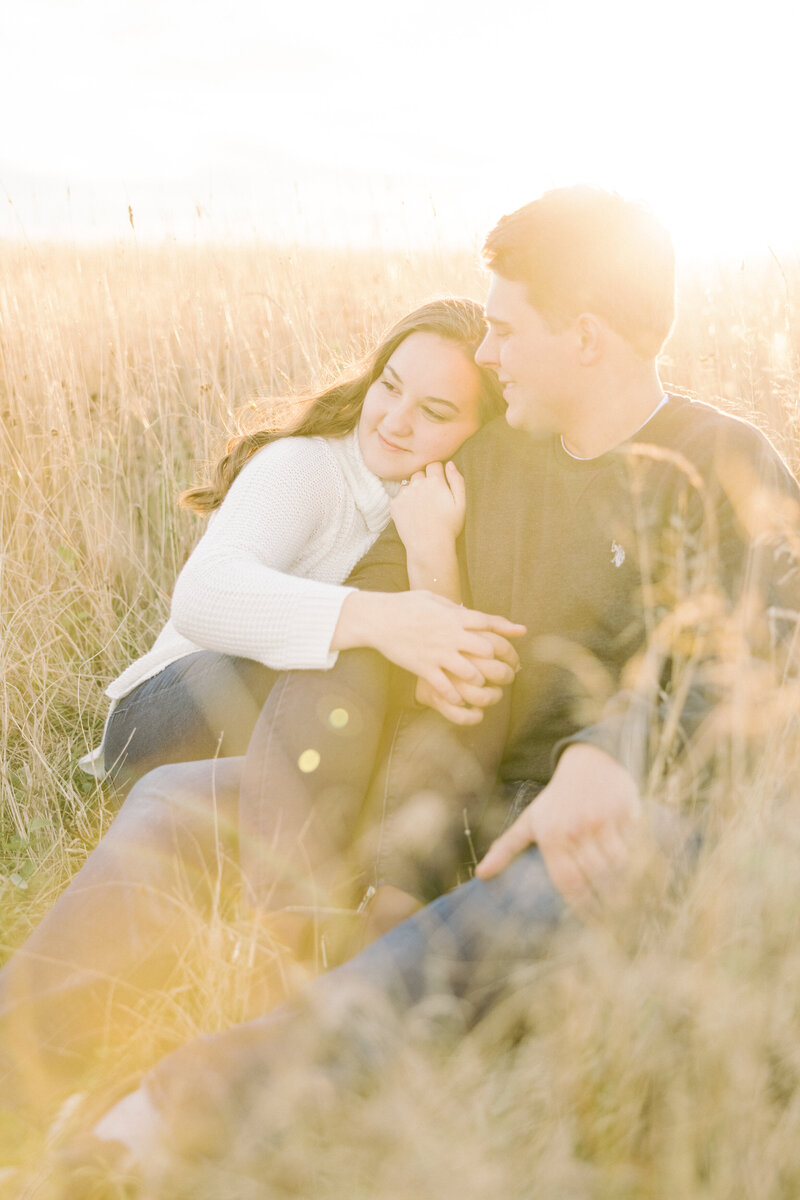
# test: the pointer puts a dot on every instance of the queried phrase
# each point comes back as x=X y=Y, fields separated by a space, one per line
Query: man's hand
x=497 y=672
x=587 y=823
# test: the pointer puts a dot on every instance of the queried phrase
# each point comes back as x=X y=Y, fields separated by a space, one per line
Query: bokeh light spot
x=338 y=718
x=308 y=761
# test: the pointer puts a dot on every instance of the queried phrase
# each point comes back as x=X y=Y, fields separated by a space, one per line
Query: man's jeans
x=454 y=958
x=116 y=933
x=118 y=930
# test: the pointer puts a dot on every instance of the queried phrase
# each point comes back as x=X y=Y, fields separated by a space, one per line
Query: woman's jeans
x=204 y=705
x=116 y=933
x=124 y=921
x=342 y=775
x=128 y=916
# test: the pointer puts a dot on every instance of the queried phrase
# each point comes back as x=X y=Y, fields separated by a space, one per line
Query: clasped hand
x=466 y=698
x=456 y=652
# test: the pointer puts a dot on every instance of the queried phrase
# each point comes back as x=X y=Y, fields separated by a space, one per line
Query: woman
x=262 y=591
x=291 y=514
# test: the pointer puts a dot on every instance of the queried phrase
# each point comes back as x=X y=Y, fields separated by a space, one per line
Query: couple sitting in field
x=570 y=576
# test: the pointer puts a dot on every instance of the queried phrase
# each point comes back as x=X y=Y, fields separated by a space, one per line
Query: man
x=627 y=530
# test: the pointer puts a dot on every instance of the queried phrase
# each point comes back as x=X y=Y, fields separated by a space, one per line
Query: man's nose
x=486 y=355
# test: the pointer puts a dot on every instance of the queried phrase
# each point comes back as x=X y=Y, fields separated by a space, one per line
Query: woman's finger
x=472 y=619
x=456 y=481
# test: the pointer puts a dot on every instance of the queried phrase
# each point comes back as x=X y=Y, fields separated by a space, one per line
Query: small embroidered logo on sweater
x=617 y=554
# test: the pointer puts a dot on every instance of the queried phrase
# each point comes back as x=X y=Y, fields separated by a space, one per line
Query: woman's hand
x=429 y=515
x=425 y=634
x=430 y=509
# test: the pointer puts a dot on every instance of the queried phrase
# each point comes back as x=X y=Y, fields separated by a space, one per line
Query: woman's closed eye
x=435 y=414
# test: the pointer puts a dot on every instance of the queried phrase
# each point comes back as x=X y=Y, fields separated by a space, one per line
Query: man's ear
x=591 y=335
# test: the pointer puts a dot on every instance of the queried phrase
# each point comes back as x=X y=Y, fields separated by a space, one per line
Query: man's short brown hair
x=581 y=249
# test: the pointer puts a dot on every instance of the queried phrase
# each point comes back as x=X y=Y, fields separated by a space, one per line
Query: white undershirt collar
x=578 y=458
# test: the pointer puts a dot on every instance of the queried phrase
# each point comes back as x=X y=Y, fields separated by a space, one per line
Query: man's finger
x=495 y=671
x=597 y=870
x=517 y=837
x=615 y=848
x=572 y=883
x=442 y=686
x=461 y=667
x=502 y=649
x=478 y=697
x=456 y=714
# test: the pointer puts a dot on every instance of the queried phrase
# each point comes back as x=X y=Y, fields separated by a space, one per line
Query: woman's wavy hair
x=335 y=411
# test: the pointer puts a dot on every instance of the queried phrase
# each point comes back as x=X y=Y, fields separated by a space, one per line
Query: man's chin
x=513 y=416
x=518 y=419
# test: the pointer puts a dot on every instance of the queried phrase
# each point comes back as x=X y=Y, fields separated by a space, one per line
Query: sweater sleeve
x=238 y=593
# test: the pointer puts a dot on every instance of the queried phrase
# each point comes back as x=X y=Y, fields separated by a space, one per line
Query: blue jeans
x=117 y=931
x=464 y=949
x=412 y=792
x=202 y=706
x=115 y=934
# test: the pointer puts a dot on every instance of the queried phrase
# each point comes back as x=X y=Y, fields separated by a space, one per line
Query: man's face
x=534 y=365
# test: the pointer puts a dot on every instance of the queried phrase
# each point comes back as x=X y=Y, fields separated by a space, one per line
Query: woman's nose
x=398 y=418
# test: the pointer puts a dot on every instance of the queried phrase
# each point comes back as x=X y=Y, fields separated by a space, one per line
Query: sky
x=403 y=124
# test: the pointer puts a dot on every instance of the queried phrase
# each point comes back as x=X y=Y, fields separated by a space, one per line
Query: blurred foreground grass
x=662 y=1064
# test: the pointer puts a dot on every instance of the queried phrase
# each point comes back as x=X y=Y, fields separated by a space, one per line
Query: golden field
x=659 y=1062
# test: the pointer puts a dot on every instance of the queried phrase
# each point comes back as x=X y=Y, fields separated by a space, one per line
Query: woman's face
x=421 y=408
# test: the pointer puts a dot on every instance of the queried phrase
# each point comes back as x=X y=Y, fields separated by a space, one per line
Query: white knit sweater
x=264 y=581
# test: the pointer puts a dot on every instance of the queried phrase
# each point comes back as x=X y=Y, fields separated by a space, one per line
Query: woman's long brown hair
x=335 y=411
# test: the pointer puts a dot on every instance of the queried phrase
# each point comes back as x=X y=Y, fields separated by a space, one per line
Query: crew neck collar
x=577 y=458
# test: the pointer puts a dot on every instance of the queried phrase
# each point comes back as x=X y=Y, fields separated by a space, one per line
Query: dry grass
x=657 y=1065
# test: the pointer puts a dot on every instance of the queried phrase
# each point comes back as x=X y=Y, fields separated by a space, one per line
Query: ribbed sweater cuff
x=309 y=622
